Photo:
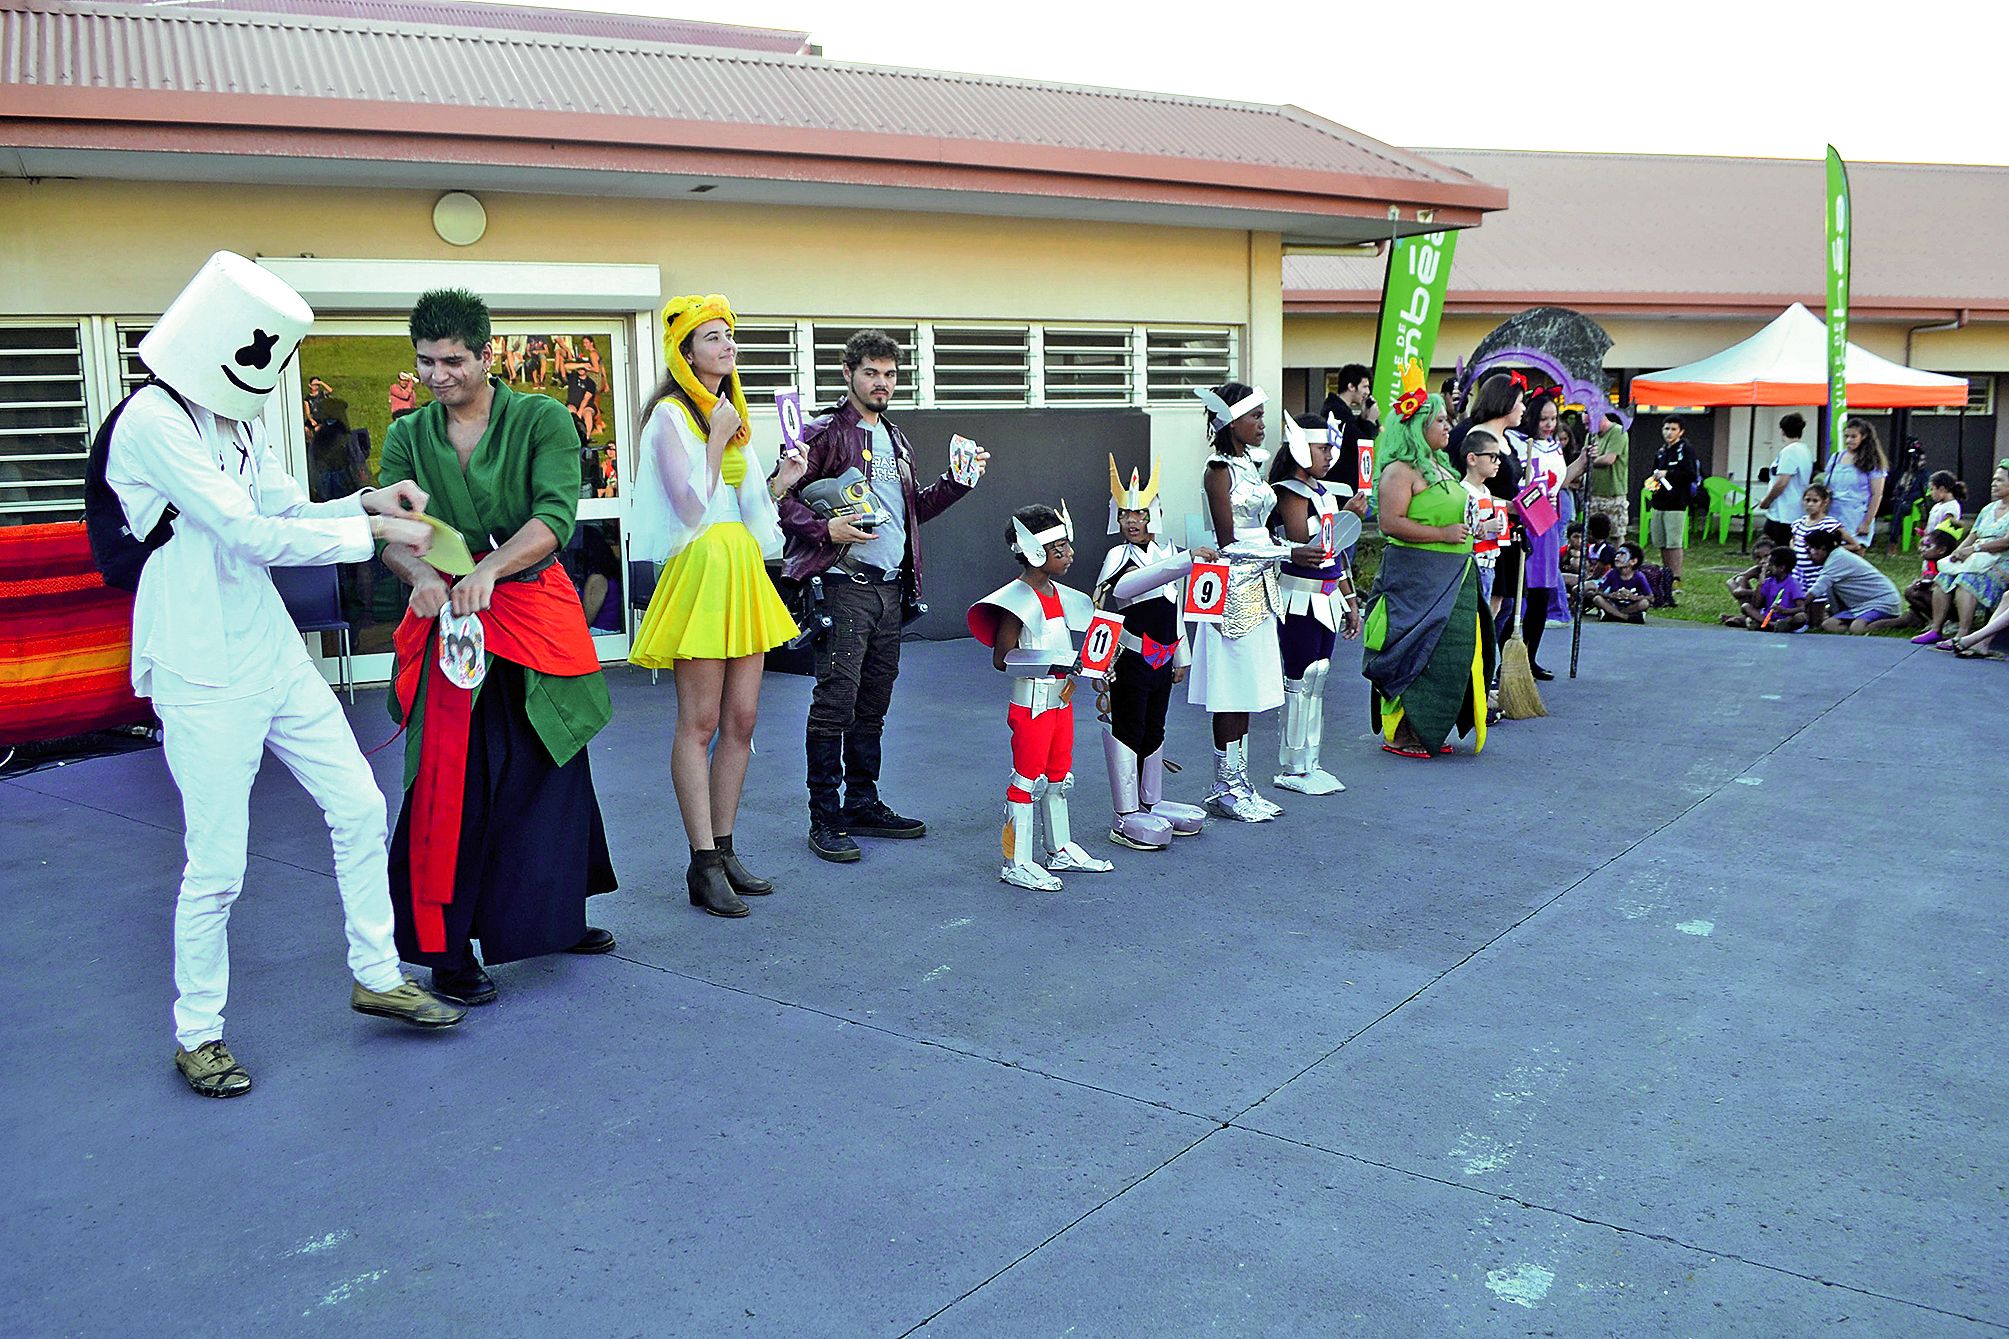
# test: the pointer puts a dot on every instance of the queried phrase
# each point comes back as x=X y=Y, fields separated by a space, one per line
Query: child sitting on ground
x=1862 y=598
x=1744 y=586
x=1935 y=548
x=1780 y=602
x=1947 y=493
x=1623 y=594
x=1600 y=551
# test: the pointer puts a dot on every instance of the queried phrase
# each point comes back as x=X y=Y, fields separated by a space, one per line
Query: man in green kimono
x=500 y=837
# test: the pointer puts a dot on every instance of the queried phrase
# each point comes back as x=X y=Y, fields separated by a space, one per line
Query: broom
x=1520 y=700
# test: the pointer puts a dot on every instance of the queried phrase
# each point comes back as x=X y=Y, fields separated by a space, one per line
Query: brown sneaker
x=212 y=1070
x=409 y=1003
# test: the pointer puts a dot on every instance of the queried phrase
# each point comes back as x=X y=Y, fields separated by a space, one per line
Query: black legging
x=1535 y=619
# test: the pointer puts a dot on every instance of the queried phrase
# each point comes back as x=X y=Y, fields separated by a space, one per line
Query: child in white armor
x=1029 y=624
x=1142 y=580
x=1318 y=602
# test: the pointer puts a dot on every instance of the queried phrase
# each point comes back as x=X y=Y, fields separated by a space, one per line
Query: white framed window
x=45 y=421
x=1081 y=366
x=766 y=357
x=1177 y=360
x=131 y=370
x=982 y=365
x=1980 y=397
x=829 y=346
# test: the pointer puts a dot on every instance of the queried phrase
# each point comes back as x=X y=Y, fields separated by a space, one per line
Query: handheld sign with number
x=788 y=404
x=463 y=649
x=1099 y=646
x=1367 y=464
x=1206 y=593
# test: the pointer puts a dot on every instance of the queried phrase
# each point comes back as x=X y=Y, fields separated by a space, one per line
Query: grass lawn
x=1705 y=596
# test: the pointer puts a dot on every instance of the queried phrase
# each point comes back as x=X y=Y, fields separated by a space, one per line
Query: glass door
x=354 y=377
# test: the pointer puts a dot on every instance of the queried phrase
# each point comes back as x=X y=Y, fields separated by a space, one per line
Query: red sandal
x=1405 y=753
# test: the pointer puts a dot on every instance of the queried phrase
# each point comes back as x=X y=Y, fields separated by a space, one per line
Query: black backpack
x=117 y=551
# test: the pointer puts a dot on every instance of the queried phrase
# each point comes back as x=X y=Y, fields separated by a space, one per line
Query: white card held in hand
x=964 y=467
x=463 y=649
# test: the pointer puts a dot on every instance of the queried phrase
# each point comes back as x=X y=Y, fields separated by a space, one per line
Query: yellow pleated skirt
x=714 y=601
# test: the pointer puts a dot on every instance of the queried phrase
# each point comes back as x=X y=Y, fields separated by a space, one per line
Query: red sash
x=536 y=624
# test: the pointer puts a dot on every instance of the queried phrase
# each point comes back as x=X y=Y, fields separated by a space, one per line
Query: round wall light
x=459 y=219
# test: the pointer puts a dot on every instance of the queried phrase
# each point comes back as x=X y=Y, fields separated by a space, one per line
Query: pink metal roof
x=1668 y=233
x=143 y=66
x=519 y=18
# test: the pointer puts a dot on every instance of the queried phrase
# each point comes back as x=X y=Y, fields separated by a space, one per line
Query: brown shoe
x=409 y=1003
x=212 y=1070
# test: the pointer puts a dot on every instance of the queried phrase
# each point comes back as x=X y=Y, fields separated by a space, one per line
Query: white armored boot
x=1061 y=852
x=1186 y=819
x=1021 y=840
x=1239 y=752
x=1133 y=827
x=1231 y=797
x=1297 y=748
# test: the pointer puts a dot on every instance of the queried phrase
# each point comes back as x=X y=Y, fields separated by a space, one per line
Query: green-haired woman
x=1429 y=644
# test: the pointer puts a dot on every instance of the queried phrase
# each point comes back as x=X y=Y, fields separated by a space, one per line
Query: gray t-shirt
x=888 y=546
x=1850 y=581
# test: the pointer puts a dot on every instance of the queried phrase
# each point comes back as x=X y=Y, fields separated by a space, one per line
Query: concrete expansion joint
x=1645 y=1234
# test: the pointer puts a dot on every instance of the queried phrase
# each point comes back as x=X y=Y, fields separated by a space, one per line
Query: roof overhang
x=1698 y=306
x=149 y=135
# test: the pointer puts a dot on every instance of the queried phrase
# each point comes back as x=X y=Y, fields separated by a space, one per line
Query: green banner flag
x=1840 y=226
x=1412 y=302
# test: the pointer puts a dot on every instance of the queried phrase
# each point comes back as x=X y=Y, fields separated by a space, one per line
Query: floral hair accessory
x=1414 y=393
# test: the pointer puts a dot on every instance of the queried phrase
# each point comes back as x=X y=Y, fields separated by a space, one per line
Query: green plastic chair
x=1726 y=500
x=1912 y=520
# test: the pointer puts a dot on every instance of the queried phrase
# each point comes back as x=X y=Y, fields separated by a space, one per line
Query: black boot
x=1533 y=621
x=709 y=888
x=865 y=814
x=464 y=982
x=827 y=837
x=742 y=880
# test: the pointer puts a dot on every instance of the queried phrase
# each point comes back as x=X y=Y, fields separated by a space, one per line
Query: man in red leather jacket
x=869 y=576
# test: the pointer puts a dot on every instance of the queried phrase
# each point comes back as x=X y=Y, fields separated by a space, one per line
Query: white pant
x=213 y=751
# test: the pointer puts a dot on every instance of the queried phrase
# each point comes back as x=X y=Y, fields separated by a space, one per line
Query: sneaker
x=409 y=1003
x=876 y=820
x=212 y=1070
x=832 y=844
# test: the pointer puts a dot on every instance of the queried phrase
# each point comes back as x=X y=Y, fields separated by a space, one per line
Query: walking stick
x=1583 y=571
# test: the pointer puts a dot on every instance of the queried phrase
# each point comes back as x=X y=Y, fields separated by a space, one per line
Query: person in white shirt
x=1792 y=471
x=214 y=648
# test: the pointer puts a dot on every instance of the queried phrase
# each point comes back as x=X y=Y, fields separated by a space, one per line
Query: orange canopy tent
x=1786 y=363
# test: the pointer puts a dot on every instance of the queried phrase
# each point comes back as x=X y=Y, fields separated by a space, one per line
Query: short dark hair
x=1793 y=424
x=1035 y=518
x=1638 y=554
x=1352 y=375
x=451 y=313
x=1495 y=398
x=1782 y=556
x=869 y=344
x=1600 y=526
x=1825 y=540
x=1677 y=421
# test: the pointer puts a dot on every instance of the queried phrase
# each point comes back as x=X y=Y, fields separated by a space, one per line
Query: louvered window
x=1087 y=366
x=830 y=362
x=1980 y=398
x=1178 y=360
x=44 y=430
x=131 y=370
x=982 y=365
x=766 y=359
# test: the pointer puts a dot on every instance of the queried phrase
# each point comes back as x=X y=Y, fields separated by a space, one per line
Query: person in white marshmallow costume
x=215 y=649
x=1029 y=624
x=1142 y=579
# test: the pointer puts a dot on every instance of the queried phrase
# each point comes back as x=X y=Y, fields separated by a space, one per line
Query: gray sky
x=1918 y=81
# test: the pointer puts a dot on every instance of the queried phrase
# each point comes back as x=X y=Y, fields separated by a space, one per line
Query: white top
x=208 y=626
x=677 y=498
x=1795 y=464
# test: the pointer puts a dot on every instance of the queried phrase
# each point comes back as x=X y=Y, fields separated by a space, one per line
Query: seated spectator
x=1815 y=501
x=1600 y=551
x=1744 y=586
x=1862 y=598
x=1980 y=643
x=1623 y=595
x=1937 y=546
x=1779 y=604
x=1947 y=495
x=1975 y=576
x=1571 y=558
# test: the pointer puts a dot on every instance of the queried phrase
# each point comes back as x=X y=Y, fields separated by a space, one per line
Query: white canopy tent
x=1786 y=363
